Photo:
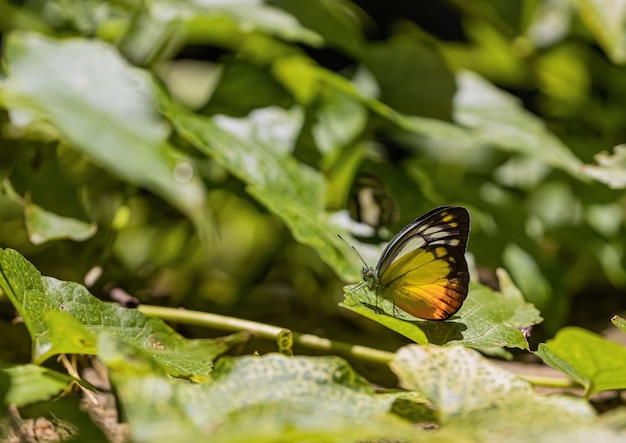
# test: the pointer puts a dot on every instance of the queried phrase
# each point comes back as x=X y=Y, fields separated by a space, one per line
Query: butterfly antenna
x=353 y=250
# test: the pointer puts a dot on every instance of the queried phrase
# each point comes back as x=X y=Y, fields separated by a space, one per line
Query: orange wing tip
x=434 y=302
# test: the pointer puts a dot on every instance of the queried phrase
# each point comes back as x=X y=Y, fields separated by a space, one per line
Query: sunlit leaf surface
x=595 y=362
x=63 y=317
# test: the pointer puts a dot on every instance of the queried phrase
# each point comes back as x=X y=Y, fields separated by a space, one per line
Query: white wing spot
x=435 y=232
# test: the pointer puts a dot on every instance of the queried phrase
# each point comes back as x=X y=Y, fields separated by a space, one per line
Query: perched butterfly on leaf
x=423 y=268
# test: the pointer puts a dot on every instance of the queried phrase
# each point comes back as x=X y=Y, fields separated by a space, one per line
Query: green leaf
x=358 y=299
x=527 y=274
x=31 y=384
x=254 y=399
x=104 y=107
x=457 y=380
x=487 y=319
x=489 y=115
x=256 y=150
x=480 y=402
x=498 y=119
x=413 y=76
x=596 y=363
x=620 y=322
x=605 y=19
x=337 y=23
x=610 y=168
x=44 y=226
x=340 y=119
x=533 y=419
x=63 y=317
x=248 y=15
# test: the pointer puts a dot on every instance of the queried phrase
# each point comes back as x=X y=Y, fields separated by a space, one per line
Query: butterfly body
x=423 y=268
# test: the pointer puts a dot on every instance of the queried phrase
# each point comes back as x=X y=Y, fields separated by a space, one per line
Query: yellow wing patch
x=421 y=284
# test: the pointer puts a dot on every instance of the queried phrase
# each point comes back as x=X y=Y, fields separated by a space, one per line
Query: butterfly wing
x=370 y=203
x=423 y=269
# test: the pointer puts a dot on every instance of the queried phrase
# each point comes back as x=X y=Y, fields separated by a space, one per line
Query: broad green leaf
x=254 y=399
x=44 y=226
x=358 y=299
x=480 y=402
x=498 y=119
x=31 y=384
x=248 y=15
x=337 y=22
x=609 y=168
x=486 y=320
x=489 y=115
x=606 y=18
x=546 y=419
x=340 y=119
x=256 y=150
x=595 y=362
x=527 y=275
x=305 y=80
x=413 y=76
x=620 y=322
x=64 y=335
x=104 y=107
x=255 y=87
x=63 y=317
x=456 y=379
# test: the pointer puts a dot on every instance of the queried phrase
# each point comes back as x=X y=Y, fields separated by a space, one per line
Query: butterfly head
x=369 y=276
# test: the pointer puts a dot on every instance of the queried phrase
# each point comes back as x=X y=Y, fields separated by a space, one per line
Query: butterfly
x=371 y=203
x=423 y=268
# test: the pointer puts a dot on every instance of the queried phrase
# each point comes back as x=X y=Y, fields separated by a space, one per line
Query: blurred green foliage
x=213 y=147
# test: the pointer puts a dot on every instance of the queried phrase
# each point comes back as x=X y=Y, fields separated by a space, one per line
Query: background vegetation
x=203 y=155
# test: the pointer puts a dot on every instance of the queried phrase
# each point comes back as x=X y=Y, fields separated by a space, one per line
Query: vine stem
x=270 y=332
x=266 y=331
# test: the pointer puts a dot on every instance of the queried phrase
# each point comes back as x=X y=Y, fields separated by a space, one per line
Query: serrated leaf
x=487 y=319
x=595 y=362
x=620 y=322
x=103 y=106
x=63 y=317
x=255 y=399
x=31 y=383
x=456 y=379
x=256 y=153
